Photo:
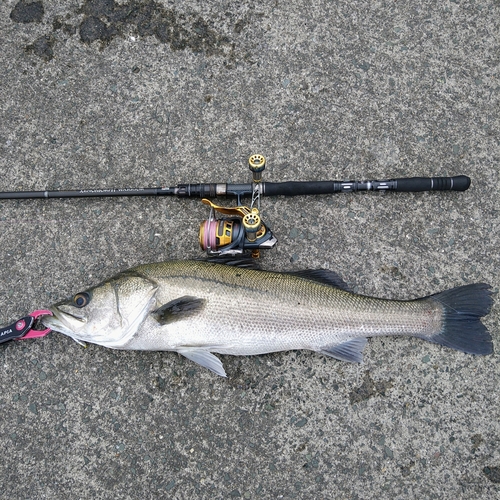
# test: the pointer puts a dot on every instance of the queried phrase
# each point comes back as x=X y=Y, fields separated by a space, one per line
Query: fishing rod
x=291 y=188
x=244 y=230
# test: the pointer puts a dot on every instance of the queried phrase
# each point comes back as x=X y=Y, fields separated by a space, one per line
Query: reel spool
x=244 y=230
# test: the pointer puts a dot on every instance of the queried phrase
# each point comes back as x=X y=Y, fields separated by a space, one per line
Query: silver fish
x=197 y=308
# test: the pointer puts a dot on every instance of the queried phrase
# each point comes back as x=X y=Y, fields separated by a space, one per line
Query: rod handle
x=415 y=184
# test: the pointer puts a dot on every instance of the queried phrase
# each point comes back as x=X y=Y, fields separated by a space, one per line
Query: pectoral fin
x=204 y=358
x=178 y=309
x=351 y=351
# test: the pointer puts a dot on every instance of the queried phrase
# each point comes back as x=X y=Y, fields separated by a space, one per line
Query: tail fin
x=463 y=308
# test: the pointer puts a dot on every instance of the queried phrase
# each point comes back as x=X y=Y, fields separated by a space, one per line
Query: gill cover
x=111 y=313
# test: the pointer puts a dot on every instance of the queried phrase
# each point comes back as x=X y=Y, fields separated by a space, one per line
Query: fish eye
x=81 y=299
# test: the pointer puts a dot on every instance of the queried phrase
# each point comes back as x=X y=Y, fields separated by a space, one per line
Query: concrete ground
x=131 y=93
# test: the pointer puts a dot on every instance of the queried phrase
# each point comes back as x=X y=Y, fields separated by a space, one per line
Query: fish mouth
x=63 y=321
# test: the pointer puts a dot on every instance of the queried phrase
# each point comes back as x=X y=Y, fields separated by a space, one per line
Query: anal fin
x=351 y=351
x=203 y=358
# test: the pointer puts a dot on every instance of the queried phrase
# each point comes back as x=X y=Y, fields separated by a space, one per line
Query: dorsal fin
x=324 y=276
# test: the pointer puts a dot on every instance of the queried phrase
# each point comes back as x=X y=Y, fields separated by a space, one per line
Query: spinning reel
x=243 y=230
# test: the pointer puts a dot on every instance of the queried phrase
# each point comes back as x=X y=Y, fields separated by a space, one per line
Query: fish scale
x=198 y=308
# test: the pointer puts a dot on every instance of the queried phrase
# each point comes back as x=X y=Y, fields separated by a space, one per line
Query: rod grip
x=414 y=184
x=295 y=188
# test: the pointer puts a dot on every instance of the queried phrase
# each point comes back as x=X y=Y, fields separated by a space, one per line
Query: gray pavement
x=97 y=94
